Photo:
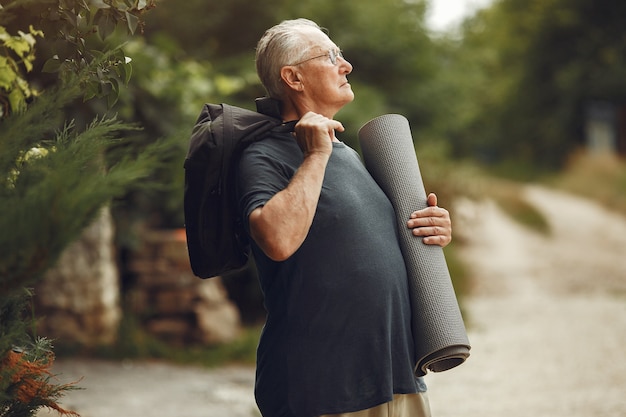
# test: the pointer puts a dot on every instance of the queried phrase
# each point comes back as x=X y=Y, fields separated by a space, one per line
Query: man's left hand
x=432 y=223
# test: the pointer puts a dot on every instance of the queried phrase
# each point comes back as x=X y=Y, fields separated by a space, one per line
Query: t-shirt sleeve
x=260 y=176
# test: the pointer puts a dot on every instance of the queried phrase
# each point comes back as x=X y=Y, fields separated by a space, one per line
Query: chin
x=349 y=94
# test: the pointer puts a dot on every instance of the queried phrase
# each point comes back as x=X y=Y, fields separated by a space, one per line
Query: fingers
x=317 y=123
x=315 y=132
x=432 y=211
x=439 y=240
x=431 y=200
x=432 y=223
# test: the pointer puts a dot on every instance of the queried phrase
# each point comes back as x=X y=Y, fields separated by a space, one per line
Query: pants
x=403 y=405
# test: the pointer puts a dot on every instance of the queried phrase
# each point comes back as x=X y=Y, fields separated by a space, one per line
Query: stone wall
x=79 y=301
x=172 y=303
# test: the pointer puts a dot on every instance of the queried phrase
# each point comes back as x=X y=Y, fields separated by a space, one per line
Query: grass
x=241 y=351
x=508 y=195
x=601 y=178
x=135 y=343
x=598 y=177
x=459 y=274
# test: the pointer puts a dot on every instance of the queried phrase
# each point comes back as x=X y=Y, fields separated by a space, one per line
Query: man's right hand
x=315 y=133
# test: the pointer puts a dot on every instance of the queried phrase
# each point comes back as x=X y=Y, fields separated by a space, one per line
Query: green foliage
x=385 y=40
x=55 y=184
x=459 y=274
x=212 y=29
x=240 y=351
x=13 y=327
x=16 y=59
x=524 y=72
x=79 y=38
x=181 y=65
x=509 y=197
x=167 y=92
x=135 y=343
x=600 y=177
x=56 y=171
x=165 y=96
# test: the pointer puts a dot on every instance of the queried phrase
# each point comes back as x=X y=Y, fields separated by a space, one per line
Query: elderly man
x=337 y=339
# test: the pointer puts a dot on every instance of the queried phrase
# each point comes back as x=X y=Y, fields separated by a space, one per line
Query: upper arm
x=277 y=242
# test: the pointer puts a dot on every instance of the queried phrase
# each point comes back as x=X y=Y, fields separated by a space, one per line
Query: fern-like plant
x=26 y=383
x=55 y=175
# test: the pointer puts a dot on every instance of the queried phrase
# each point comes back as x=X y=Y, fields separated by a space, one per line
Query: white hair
x=281 y=45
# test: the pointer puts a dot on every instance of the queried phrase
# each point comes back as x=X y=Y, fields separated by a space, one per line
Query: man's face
x=325 y=84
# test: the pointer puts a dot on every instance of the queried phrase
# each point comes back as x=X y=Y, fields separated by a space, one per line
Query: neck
x=294 y=108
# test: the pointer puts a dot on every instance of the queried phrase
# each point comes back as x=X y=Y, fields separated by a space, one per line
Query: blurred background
x=98 y=99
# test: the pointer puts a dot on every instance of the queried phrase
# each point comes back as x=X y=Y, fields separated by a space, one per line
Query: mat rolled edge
x=439 y=335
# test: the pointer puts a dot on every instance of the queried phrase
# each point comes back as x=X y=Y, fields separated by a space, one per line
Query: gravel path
x=156 y=389
x=547 y=315
x=546 y=319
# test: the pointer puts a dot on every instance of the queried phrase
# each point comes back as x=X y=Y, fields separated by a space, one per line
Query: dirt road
x=546 y=319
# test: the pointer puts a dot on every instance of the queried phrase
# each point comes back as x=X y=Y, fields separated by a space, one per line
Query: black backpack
x=216 y=239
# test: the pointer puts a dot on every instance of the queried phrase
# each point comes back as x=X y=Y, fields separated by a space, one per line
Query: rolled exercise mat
x=440 y=338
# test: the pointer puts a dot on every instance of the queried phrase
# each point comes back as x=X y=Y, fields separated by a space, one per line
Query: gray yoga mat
x=439 y=333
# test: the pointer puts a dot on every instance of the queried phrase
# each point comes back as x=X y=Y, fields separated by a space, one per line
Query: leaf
x=7 y=75
x=105 y=22
x=28 y=63
x=17 y=100
x=28 y=37
x=128 y=71
x=132 y=21
x=35 y=32
x=115 y=85
x=118 y=55
x=19 y=45
x=91 y=91
x=99 y=4
x=120 y=71
x=114 y=95
x=52 y=65
x=96 y=54
x=70 y=17
x=121 y=6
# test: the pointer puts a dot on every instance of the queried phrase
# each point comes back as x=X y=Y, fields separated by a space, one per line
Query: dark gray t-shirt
x=337 y=337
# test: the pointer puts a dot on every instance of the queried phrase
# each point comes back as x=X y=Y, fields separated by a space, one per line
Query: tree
x=55 y=173
x=527 y=69
x=385 y=40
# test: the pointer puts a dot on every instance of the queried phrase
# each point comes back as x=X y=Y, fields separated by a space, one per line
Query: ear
x=292 y=78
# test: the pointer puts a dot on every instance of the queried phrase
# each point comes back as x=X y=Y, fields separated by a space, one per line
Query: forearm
x=281 y=225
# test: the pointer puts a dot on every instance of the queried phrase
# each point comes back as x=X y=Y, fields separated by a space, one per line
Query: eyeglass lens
x=333 y=54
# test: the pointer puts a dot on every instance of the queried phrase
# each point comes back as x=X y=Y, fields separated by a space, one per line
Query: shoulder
x=281 y=146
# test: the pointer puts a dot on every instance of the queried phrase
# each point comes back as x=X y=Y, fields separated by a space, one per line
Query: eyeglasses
x=332 y=54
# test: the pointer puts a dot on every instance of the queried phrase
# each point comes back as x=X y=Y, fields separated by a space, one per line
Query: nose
x=344 y=65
